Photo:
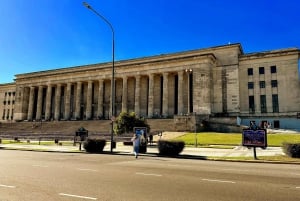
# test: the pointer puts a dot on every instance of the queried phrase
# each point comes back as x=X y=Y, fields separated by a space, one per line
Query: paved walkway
x=188 y=151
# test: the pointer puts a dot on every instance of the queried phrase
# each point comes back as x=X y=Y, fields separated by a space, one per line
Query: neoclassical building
x=219 y=81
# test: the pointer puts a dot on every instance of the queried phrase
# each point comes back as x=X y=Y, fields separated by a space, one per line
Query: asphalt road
x=45 y=176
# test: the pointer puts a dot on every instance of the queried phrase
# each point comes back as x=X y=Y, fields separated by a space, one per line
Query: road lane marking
x=85 y=169
x=186 y=166
x=44 y=166
x=7 y=186
x=77 y=196
x=148 y=174
x=217 y=180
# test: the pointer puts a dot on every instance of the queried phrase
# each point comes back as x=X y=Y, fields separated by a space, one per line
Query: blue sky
x=39 y=35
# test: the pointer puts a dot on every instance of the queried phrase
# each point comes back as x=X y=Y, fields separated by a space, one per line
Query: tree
x=126 y=122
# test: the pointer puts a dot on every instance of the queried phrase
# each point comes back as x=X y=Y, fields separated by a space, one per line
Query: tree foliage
x=127 y=121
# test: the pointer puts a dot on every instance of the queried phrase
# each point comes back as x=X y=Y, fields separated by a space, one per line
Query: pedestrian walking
x=136 y=144
x=150 y=139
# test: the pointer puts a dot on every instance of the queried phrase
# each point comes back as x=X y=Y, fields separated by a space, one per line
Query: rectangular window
x=275 y=103
x=261 y=70
x=276 y=124
x=262 y=84
x=274 y=83
x=263 y=104
x=7 y=114
x=250 y=85
x=251 y=104
x=273 y=69
x=250 y=71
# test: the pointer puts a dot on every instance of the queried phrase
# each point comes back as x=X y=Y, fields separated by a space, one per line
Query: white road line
x=236 y=170
x=40 y=166
x=147 y=174
x=217 y=180
x=85 y=169
x=77 y=196
x=186 y=166
x=6 y=186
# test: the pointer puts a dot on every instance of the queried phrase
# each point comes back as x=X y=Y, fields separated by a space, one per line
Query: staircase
x=67 y=129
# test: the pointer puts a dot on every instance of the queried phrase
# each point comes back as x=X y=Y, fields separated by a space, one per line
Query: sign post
x=255 y=138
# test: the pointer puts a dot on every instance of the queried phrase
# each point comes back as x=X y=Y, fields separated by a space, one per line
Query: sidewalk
x=238 y=151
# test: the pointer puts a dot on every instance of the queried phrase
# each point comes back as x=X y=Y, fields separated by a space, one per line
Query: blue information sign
x=255 y=138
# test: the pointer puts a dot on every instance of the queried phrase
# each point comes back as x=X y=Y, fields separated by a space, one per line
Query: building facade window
x=276 y=124
x=250 y=85
x=262 y=84
x=275 y=103
x=251 y=104
x=274 y=83
x=250 y=71
x=273 y=69
x=261 y=70
x=263 y=104
x=7 y=113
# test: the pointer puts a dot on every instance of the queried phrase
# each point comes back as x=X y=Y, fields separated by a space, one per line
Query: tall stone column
x=48 y=102
x=124 y=94
x=68 y=101
x=39 y=103
x=151 y=96
x=30 y=104
x=137 y=97
x=180 y=92
x=89 y=100
x=100 y=100
x=165 y=95
x=78 y=100
x=57 y=102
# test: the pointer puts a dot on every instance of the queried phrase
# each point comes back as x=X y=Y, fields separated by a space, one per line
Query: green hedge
x=292 y=149
x=170 y=148
x=94 y=145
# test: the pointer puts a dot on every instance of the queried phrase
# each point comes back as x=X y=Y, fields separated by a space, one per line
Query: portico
x=150 y=89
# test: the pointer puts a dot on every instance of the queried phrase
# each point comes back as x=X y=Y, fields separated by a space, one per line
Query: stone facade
x=217 y=81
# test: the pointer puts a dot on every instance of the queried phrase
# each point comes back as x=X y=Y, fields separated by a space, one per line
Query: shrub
x=94 y=145
x=170 y=148
x=127 y=121
x=292 y=149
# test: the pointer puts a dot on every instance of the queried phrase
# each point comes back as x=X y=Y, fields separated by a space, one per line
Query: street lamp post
x=189 y=71
x=113 y=74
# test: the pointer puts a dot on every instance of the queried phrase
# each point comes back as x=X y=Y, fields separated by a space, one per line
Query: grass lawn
x=234 y=139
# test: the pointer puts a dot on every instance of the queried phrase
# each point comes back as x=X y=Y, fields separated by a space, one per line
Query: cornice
x=269 y=54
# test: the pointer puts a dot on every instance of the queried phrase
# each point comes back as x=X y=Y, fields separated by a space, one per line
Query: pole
x=254 y=153
x=113 y=74
x=196 y=136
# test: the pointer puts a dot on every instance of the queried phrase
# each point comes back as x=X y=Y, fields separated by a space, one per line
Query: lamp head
x=86 y=5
